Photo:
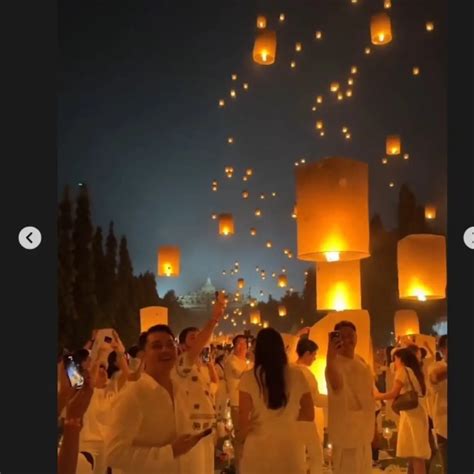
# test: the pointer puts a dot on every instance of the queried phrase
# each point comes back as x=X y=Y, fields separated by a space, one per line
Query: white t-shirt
x=234 y=367
x=439 y=406
x=351 y=410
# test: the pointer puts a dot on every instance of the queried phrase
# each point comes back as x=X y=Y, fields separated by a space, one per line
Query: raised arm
x=333 y=375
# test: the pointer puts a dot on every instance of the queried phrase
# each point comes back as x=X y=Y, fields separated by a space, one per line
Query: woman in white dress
x=412 y=442
x=273 y=398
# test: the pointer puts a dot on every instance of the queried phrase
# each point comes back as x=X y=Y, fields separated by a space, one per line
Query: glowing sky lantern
x=234 y=77
x=430 y=212
x=245 y=86
x=233 y=93
x=261 y=22
x=367 y=50
x=345 y=129
x=322 y=133
x=319 y=125
x=281 y=310
x=340 y=96
x=391 y=184
x=406 y=156
x=265 y=324
x=249 y=172
x=349 y=92
x=422 y=267
x=387 y=4
x=262 y=196
x=348 y=136
x=406 y=323
x=253 y=231
x=393 y=145
x=318 y=35
x=313 y=108
x=334 y=86
x=226 y=224
x=264 y=50
x=169 y=257
x=258 y=212
x=152 y=315
x=269 y=244
x=245 y=194
x=319 y=99
x=255 y=316
x=240 y=283
x=416 y=71
x=333 y=210
x=384 y=161
x=350 y=81
x=429 y=26
x=298 y=47
x=282 y=17
x=221 y=103
x=293 y=64
x=354 y=70
x=319 y=334
x=338 y=285
x=282 y=281
x=213 y=216
x=230 y=140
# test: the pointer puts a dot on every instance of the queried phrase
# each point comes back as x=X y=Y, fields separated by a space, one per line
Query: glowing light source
x=393 y=145
x=261 y=22
x=264 y=50
x=221 y=103
x=416 y=71
x=429 y=26
x=430 y=212
x=226 y=224
x=380 y=29
x=406 y=323
x=298 y=47
x=169 y=257
x=319 y=35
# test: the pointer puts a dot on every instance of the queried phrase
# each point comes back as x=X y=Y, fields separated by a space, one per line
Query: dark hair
x=236 y=338
x=424 y=352
x=409 y=359
x=184 y=334
x=112 y=364
x=80 y=356
x=413 y=348
x=142 y=340
x=443 y=342
x=269 y=370
x=159 y=328
x=344 y=324
x=133 y=351
x=305 y=345
x=220 y=359
x=388 y=354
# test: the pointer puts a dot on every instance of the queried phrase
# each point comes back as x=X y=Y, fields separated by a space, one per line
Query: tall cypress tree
x=66 y=307
x=110 y=277
x=84 y=291
x=98 y=259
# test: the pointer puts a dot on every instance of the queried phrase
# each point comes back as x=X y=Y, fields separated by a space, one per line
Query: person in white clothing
x=159 y=421
x=306 y=350
x=234 y=366
x=351 y=403
x=438 y=381
x=274 y=398
x=412 y=441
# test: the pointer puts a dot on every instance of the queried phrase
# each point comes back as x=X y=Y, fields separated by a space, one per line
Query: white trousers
x=352 y=461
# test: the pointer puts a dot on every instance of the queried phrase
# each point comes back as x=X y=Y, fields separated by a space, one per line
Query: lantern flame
x=332 y=256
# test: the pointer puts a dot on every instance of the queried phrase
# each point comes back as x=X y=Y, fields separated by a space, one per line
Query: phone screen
x=72 y=370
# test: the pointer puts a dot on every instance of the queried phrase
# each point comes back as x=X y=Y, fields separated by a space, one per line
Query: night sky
x=139 y=122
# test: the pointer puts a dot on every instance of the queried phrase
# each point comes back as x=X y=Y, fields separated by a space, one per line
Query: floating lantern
x=282 y=281
x=293 y=64
x=262 y=196
x=319 y=125
x=340 y=96
x=169 y=257
x=281 y=310
x=283 y=270
x=322 y=133
x=333 y=214
x=387 y=4
x=233 y=94
x=338 y=285
x=422 y=267
x=244 y=178
x=350 y=81
x=151 y=316
x=261 y=22
x=354 y=1
x=234 y=77
x=285 y=251
x=273 y=275
x=348 y=136
x=319 y=332
x=391 y=184
x=367 y=50
x=313 y=108
x=430 y=212
x=345 y=129
x=249 y=172
x=224 y=272
x=349 y=92
x=319 y=35
x=393 y=145
x=213 y=216
x=416 y=71
x=429 y=26
x=245 y=86
x=384 y=161
x=240 y=283
x=298 y=47
x=253 y=232
x=334 y=86
x=354 y=70
x=406 y=323
x=265 y=324
x=290 y=255
x=282 y=17
x=221 y=103
x=264 y=50
x=319 y=99
x=226 y=224
x=406 y=156
x=245 y=194
x=230 y=140
x=294 y=214
x=258 y=212
x=269 y=244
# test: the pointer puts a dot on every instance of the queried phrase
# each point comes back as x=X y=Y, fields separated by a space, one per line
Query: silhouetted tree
x=110 y=303
x=98 y=259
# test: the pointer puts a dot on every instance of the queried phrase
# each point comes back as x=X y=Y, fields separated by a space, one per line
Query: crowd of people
x=175 y=405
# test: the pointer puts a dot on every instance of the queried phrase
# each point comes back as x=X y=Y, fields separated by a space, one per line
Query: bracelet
x=76 y=422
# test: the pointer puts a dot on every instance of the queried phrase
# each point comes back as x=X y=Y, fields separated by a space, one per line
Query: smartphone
x=335 y=335
x=206 y=355
x=73 y=372
x=204 y=433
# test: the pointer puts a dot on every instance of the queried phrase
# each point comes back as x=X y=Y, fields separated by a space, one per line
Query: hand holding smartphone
x=73 y=372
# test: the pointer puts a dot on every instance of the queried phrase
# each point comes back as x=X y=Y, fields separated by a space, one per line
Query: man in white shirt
x=351 y=403
x=438 y=382
x=158 y=421
x=234 y=366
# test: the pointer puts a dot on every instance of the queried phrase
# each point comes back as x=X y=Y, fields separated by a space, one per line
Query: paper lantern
x=406 y=156
x=429 y=26
x=367 y=50
x=221 y=103
x=245 y=194
x=406 y=322
x=281 y=311
x=319 y=333
x=340 y=96
x=233 y=94
x=293 y=64
x=318 y=35
x=334 y=86
x=249 y=172
x=391 y=184
x=430 y=212
x=234 y=77
x=262 y=196
x=253 y=231
x=387 y=4
x=152 y=315
x=338 y=285
x=269 y=244
x=313 y=108
x=261 y=22
x=265 y=324
x=380 y=29
x=264 y=50
x=348 y=136
x=416 y=71
x=422 y=267
x=213 y=216
x=319 y=99
x=393 y=145
x=255 y=316
x=349 y=92
x=226 y=224
x=230 y=140
x=240 y=283
x=282 y=17
x=333 y=210
x=298 y=47
x=322 y=133
x=258 y=212
x=245 y=86
x=168 y=261
x=282 y=281
x=354 y=70
x=319 y=125
x=350 y=81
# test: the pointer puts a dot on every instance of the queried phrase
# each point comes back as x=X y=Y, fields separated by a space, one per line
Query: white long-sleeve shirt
x=234 y=367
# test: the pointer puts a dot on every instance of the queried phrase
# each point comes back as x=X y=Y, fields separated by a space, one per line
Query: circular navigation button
x=29 y=237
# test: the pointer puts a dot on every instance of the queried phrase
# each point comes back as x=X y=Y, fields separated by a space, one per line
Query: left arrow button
x=29 y=238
